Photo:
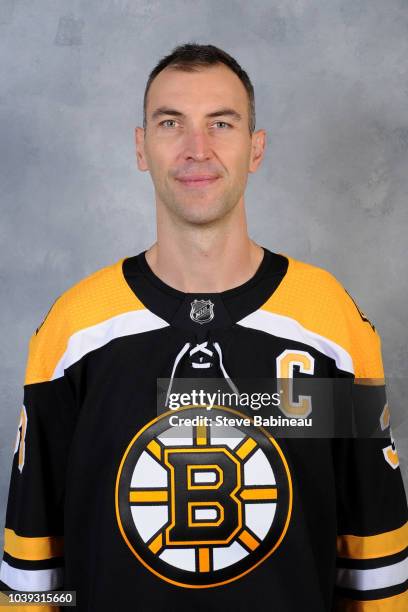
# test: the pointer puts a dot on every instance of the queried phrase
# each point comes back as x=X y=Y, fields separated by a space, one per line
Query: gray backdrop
x=331 y=88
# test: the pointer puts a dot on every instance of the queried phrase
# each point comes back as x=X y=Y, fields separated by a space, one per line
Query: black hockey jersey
x=109 y=499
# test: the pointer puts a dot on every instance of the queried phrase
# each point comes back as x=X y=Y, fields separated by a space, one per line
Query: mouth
x=198 y=182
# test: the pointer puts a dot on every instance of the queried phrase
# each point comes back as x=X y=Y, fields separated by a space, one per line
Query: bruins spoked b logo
x=201 y=506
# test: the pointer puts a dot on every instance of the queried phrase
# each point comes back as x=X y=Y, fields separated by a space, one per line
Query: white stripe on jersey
x=31 y=580
x=91 y=338
x=286 y=327
x=378 y=578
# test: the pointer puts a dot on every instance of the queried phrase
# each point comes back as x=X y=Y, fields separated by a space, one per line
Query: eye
x=166 y=121
x=224 y=122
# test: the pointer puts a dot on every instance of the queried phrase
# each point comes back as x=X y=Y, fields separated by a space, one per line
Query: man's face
x=183 y=143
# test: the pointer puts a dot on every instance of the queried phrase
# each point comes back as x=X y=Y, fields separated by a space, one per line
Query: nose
x=197 y=144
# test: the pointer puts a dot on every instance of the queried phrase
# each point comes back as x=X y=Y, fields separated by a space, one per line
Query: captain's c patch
x=201 y=506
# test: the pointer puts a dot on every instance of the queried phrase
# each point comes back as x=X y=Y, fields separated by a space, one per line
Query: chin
x=201 y=214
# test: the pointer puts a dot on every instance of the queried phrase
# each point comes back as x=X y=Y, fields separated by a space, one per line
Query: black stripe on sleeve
x=373 y=594
x=372 y=563
x=33 y=565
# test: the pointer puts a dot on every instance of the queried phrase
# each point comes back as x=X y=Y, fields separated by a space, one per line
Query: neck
x=204 y=258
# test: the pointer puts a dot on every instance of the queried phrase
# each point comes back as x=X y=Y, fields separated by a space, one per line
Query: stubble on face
x=202 y=205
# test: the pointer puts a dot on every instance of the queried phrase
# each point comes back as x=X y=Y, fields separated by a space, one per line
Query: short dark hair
x=193 y=56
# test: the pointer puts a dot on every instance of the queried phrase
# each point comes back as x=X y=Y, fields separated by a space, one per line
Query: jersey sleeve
x=372 y=534
x=33 y=558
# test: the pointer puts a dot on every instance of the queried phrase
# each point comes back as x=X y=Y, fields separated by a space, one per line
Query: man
x=106 y=498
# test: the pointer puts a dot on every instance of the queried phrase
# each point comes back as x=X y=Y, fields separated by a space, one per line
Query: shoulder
x=318 y=302
x=324 y=291
x=310 y=276
x=94 y=299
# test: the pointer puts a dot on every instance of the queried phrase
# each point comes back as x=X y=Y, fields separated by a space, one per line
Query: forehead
x=204 y=89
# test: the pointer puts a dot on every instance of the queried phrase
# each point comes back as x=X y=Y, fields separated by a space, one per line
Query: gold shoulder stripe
x=397 y=603
x=32 y=549
x=96 y=298
x=316 y=299
x=372 y=547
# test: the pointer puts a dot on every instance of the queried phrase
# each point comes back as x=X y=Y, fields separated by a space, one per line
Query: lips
x=198 y=180
x=197 y=177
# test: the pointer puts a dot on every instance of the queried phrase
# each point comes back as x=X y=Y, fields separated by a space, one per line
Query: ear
x=140 y=152
x=257 y=149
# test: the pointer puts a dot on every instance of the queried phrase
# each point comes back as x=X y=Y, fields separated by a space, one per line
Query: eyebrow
x=222 y=112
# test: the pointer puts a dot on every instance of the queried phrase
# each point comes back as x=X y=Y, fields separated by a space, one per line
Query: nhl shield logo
x=202 y=311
